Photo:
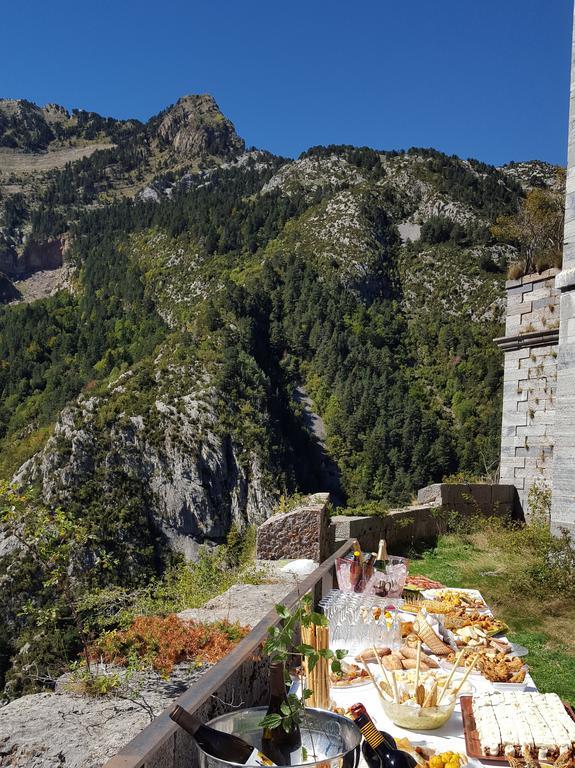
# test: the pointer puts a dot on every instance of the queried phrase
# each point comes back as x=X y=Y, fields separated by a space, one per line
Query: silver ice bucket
x=334 y=738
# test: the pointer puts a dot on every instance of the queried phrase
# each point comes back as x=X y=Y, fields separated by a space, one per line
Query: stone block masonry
x=403 y=528
x=303 y=532
x=530 y=382
x=563 y=496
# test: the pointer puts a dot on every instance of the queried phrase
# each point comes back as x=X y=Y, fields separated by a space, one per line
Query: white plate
x=519 y=650
x=433 y=594
x=503 y=687
x=354 y=684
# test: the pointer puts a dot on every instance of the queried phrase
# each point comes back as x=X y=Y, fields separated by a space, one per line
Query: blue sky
x=478 y=78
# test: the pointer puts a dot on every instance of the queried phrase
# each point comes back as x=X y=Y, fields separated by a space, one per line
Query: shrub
x=463 y=478
x=516 y=270
x=162 y=641
x=373 y=508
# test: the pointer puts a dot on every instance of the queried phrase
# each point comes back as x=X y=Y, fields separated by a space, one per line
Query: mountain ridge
x=156 y=396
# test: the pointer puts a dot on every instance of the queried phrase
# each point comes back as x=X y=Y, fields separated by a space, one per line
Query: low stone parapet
x=399 y=527
x=405 y=527
x=472 y=498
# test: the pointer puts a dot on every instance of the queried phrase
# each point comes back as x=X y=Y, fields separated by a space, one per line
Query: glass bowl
x=415 y=718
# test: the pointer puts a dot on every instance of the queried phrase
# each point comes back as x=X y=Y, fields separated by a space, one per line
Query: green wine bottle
x=277 y=742
x=224 y=746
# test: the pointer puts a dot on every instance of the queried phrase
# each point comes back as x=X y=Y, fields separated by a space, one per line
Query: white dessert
x=508 y=723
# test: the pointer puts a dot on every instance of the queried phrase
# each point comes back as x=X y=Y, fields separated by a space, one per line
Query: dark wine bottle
x=280 y=744
x=356 y=571
x=224 y=746
x=368 y=567
x=379 y=748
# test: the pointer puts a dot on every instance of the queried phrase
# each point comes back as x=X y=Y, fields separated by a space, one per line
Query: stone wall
x=472 y=498
x=563 y=497
x=402 y=528
x=303 y=532
x=530 y=382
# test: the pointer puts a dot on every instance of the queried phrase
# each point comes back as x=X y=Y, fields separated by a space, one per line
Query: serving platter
x=472 y=742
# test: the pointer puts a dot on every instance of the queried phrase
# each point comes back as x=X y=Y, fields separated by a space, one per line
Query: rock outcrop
x=195 y=126
x=188 y=469
x=36 y=256
x=42 y=255
x=8 y=256
x=303 y=532
x=83 y=731
x=8 y=291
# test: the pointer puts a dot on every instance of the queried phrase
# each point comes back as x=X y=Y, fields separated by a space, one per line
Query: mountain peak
x=195 y=125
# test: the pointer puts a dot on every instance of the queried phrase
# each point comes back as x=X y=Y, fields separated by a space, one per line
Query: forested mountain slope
x=154 y=396
x=369 y=277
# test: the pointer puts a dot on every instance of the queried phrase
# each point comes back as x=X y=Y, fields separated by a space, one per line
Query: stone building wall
x=530 y=382
x=563 y=497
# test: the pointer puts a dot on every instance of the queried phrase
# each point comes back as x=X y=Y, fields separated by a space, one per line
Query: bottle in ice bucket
x=284 y=747
x=379 y=749
x=382 y=559
x=224 y=746
x=380 y=565
x=356 y=571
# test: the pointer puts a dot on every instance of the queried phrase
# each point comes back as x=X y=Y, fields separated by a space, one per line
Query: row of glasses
x=358 y=621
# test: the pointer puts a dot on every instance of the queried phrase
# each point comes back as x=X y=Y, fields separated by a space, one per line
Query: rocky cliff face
x=8 y=256
x=195 y=479
x=195 y=126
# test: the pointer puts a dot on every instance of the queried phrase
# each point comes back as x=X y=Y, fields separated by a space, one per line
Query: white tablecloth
x=448 y=738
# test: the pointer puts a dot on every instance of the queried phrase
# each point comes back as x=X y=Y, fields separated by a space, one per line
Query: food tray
x=472 y=743
x=342 y=686
x=433 y=594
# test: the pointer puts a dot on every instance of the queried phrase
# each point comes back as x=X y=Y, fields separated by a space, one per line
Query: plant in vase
x=286 y=712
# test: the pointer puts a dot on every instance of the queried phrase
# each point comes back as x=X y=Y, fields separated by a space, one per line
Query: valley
x=148 y=383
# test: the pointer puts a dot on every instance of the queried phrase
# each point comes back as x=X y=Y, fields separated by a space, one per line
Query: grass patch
x=515 y=571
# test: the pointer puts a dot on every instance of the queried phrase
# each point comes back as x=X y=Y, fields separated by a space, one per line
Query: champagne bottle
x=378 y=748
x=382 y=584
x=382 y=559
x=283 y=746
x=224 y=746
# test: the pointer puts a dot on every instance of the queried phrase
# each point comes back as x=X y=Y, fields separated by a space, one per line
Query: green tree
x=536 y=230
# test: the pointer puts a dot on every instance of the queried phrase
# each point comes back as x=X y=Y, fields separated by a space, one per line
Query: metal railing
x=162 y=744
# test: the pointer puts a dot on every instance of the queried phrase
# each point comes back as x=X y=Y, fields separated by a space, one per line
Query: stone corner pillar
x=303 y=532
x=563 y=489
x=529 y=383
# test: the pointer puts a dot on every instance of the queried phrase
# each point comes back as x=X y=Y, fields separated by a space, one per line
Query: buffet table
x=449 y=737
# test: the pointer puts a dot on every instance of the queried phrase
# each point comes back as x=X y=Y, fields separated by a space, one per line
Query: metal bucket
x=334 y=738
